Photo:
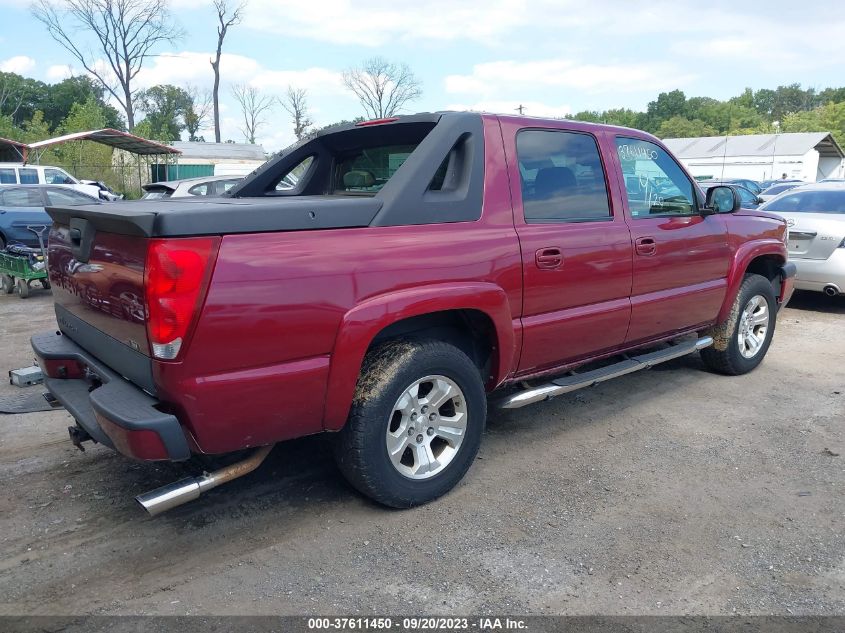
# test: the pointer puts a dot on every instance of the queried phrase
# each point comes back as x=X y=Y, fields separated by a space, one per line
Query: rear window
x=357 y=161
x=778 y=189
x=157 y=194
x=7 y=177
x=809 y=202
x=370 y=169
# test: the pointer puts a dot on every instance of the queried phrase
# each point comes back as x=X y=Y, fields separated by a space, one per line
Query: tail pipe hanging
x=162 y=499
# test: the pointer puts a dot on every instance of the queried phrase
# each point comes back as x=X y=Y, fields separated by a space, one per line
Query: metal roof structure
x=113 y=138
x=220 y=151
x=12 y=151
x=787 y=144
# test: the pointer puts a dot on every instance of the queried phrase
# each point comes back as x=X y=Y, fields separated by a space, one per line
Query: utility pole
x=521 y=109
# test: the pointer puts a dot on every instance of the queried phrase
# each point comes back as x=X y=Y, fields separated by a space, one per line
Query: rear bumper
x=110 y=408
x=817 y=274
x=787 y=283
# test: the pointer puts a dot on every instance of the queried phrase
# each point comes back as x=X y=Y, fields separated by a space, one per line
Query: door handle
x=548 y=258
x=646 y=246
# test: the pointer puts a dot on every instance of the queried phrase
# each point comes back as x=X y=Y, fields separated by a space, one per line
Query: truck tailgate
x=100 y=302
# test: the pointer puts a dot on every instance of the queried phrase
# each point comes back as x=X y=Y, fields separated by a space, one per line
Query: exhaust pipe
x=162 y=499
x=831 y=291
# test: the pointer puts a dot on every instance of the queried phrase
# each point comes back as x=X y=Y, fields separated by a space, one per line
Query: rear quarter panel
x=263 y=364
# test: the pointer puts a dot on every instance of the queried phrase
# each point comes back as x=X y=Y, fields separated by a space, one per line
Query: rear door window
x=28 y=176
x=22 y=197
x=562 y=177
x=655 y=184
x=7 y=176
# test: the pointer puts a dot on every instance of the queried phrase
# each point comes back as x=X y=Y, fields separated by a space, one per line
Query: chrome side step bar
x=574 y=382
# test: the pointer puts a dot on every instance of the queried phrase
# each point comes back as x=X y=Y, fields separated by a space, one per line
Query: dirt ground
x=672 y=491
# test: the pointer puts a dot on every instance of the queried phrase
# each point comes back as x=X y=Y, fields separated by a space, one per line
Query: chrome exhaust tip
x=831 y=291
x=163 y=499
x=179 y=492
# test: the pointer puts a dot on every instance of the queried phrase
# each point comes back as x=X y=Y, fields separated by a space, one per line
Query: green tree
x=667 y=105
x=827 y=118
x=165 y=108
x=62 y=96
x=681 y=127
x=20 y=97
x=624 y=117
x=590 y=116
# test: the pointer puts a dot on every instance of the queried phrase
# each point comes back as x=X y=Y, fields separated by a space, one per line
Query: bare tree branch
x=224 y=21
x=382 y=87
x=197 y=113
x=253 y=108
x=125 y=31
x=295 y=102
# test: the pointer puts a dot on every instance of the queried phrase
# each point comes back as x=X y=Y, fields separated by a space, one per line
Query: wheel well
x=471 y=331
x=767 y=266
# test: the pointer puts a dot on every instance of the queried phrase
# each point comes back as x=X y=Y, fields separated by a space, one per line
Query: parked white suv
x=20 y=174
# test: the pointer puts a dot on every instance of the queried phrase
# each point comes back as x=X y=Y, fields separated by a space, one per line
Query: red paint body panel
x=288 y=316
x=107 y=291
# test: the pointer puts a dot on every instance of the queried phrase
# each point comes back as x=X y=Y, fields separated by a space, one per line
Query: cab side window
x=655 y=184
x=28 y=176
x=562 y=177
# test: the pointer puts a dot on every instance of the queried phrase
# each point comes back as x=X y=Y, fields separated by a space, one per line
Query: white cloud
x=530 y=108
x=60 y=72
x=317 y=81
x=376 y=22
x=20 y=64
x=190 y=67
x=513 y=77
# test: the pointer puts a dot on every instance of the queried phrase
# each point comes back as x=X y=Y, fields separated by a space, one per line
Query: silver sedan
x=815 y=215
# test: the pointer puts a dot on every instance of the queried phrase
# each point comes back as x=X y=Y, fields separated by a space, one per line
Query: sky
x=554 y=57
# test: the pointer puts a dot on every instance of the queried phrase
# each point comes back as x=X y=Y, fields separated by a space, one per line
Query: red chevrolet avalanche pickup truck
x=379 y=280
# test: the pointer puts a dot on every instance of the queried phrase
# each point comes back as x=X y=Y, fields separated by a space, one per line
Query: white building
x=212 y=159
x=808 y=156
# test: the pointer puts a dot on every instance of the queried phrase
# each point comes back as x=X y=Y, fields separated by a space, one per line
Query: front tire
x=741 y=342
x=415 y=425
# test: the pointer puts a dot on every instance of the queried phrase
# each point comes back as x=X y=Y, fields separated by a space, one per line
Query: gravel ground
x=672 y=491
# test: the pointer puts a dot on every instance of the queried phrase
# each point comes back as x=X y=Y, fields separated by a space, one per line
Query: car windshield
x=819 y=201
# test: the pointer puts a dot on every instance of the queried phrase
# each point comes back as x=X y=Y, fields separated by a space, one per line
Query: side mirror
x=722 y=199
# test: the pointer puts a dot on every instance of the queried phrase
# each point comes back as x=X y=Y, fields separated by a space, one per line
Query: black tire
x=45 y=283
x=388 y=371
x=23 y=288
x=7 y=283
x=725 y=355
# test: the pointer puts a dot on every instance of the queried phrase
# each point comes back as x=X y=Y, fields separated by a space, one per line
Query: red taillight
x=175 y=279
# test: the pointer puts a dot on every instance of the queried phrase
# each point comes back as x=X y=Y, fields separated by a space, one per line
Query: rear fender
x=745 y=254
x=361 y=325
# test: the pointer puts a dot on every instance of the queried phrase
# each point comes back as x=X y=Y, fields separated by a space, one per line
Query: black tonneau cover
x=181 y=217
